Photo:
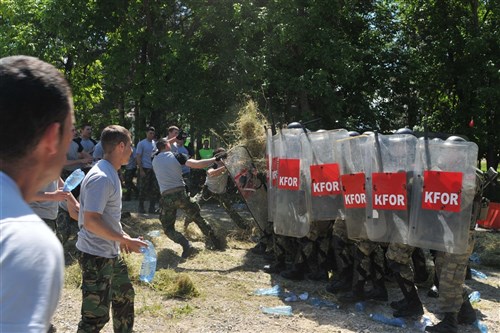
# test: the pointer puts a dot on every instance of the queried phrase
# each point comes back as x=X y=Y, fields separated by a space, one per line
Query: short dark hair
x=113 y=135
x=150 y=128
x=33 y=95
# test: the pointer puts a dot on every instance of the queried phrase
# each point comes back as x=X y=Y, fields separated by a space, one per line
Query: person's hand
x=182 y=135
x=129 y=244
x=59 y=195
x=221 y=156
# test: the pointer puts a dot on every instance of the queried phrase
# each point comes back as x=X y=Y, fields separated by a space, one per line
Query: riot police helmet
x=455 y=138
x=353 y=133
x=294 y=124
x=404 y=130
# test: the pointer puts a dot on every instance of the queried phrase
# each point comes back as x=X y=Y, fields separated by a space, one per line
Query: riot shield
x=352 y=152
x=272 y=172
x=444 y=185
x=250 y=183
x=322 y=174
x=387 y=187
x=291 y=217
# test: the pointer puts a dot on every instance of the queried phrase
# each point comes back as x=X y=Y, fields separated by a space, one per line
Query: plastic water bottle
x=284 y=310
x=320 y=303
x=291 y=298
x=148 y=267
x=274 y=291
x=398 y=322
x=474 y=297
x=154 y=233
x=480 y=326
x=475 y=258
x=478 y=274
x=73 y=180
x=421 y=324
x=360 y=306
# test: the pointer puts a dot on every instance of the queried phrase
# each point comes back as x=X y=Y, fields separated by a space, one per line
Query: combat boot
x=276 y=267
x=356 y=294
x=411 y=308
x=467 y=314
x=396 y=305
x=141 y=207
x=449 y=324
x=218 y=242
x=379 y=291
x=341 y=281
x=297 y=272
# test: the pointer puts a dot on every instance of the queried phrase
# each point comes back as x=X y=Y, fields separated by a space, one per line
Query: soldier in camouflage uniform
x=105 y=281
x=342 y=250
x=167 y=166
x=311 y=253
x=215 y=188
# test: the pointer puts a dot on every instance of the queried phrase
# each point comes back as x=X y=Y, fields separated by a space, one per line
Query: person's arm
x=92 y=221
x=216 y=172
x=138 y=160
x=57 y=195
x=200 y=164
x=73 y=206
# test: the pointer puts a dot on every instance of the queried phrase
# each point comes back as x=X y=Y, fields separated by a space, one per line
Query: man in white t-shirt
x=105 y=280
x=31 y=256
x=148 y=188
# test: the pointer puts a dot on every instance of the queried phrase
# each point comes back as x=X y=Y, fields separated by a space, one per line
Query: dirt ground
x=227 y=281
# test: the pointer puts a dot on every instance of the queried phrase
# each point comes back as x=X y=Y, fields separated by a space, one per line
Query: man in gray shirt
x=168 y=170
x=105 y=279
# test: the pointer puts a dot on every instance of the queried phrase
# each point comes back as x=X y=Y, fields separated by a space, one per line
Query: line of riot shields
x=389 y=188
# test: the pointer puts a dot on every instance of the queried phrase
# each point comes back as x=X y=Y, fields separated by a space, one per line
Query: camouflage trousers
x=105 y=285
x=369 y=260
x=169 y=203
x=343 y=248
x=148 y=186
x=128 y=179
x=450 y=269
x=399 y=257
x=67 y=228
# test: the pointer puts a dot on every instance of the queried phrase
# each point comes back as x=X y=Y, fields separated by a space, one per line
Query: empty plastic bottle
x=73 y=180
x=148 y=267
x=421 y=324
x=284 y=310
x=481 y=326
x=291 y=298
x=474 y=297
x=321 y=303
x=398 y=322
x=304 y=296
x=274 y=291
x=475 y=258
x=478 y=274
x=360 y=306
x=154 y=233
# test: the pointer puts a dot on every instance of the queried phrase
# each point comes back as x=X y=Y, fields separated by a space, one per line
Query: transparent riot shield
x=352 y=152
x=322 y=174
x=291 y=217
x=444 y=184
x=250 y=182
x=389 y=172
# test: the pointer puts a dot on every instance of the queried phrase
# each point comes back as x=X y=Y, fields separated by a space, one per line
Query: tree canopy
x=360 y=65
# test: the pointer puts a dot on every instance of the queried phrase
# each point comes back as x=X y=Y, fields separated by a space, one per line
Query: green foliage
x=360 y=65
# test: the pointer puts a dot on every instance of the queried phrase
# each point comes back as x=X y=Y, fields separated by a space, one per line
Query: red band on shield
x=389 y=191
x=442 y=191
x=353 y=189
x=288 y=174
x=325 y=179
